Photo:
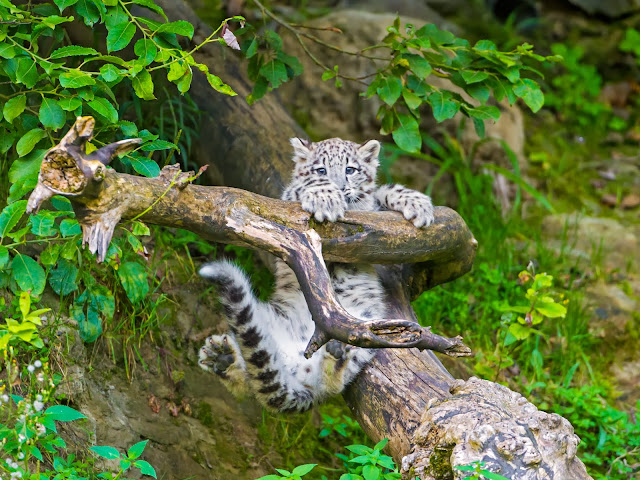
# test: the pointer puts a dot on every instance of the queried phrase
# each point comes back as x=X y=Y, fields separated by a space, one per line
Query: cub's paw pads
x=329 y=205
x=417 y=209
x=217 y=354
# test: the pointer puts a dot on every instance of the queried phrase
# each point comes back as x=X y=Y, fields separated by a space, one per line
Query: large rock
x=589 y=238
x=608 y=8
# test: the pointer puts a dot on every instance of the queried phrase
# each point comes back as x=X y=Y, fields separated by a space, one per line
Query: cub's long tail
x=249 y=320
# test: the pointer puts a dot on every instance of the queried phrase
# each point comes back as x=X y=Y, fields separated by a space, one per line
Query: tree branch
x=102 y=197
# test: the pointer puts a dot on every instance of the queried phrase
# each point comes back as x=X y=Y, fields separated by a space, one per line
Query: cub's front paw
x=219 y=354
x=417 y=209
x=327 y=203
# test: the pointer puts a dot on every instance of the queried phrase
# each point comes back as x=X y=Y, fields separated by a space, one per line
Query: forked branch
x=102 y=197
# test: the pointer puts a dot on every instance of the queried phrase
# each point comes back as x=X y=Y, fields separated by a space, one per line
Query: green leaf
x=480 y=92
x=133 y=277
x=27 y=72
x=10 y=216
x=63 y=280
x=136 y=450
x=530 y=92
x=29 y=141
x=7 y=50
x=292 y=62
x=89 y=11
x=274 y=40
x=103 y=107
x=470 y=76
x=73 y=51
x=146 y=50
x=26 y=168
x=389 y=90
x=69 y=104
x=151 y=6
x=154 y=145
x=304 y=469
x=519 y=331
x=220 y=86
x=107 y=452
x=54 y=20
x=28 y=274
x=43 y=224
x=407 y=136
x=4 y=257
x=359 y=449
x=419 y=65
x=551 y=309
x=371 y=472
x=70 y=227
x=274 y=71
x=412 y=100
x=381 y=444
x=143 y=85
x=145 y=166
x=435 y=35
x=252 y=49
x=49 y=255
x=259 y=90
x=179 y=27
x=36 y=453
x=76 y=79
x=128 y=128
x=63 y=413
x=145 y=468
x=483 y=112
x=14 y=107
x=442 y=105
x=120 y=35
x=51 y=114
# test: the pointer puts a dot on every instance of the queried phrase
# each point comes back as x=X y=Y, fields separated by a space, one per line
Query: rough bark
x=405 y=393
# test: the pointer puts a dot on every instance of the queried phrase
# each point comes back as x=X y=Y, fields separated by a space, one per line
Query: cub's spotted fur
x=264 y=352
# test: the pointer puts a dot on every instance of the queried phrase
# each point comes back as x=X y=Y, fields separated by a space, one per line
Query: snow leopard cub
x=264 y=353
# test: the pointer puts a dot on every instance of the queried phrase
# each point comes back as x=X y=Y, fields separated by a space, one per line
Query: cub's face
x=349 y=166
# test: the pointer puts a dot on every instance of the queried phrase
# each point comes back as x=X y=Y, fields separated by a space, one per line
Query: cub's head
x=351 y=167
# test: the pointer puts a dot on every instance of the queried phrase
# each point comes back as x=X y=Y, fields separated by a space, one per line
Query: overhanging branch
x=102 y=197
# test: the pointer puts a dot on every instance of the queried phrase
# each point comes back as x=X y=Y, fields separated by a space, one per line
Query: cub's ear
x=301 y=149
x=368 y=152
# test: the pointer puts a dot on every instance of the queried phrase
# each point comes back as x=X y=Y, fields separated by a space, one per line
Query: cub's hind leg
x=265 y=341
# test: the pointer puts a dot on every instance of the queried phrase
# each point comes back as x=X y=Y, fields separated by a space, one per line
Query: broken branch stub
x=102 y=197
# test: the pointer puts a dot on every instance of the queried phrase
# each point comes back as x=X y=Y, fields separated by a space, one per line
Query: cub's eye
x=350 y=170
x=321 y=171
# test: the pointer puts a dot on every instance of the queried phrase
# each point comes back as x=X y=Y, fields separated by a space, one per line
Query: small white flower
x=20 y=456
x=40 y=429
x=37 y=363
x=21 y=439
x=40 y=377
x=14 y=465
x=38 y=405
x=31 y=368
x=39 y=397
x=8 y=460
x=16 y=474
x=5 y=398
